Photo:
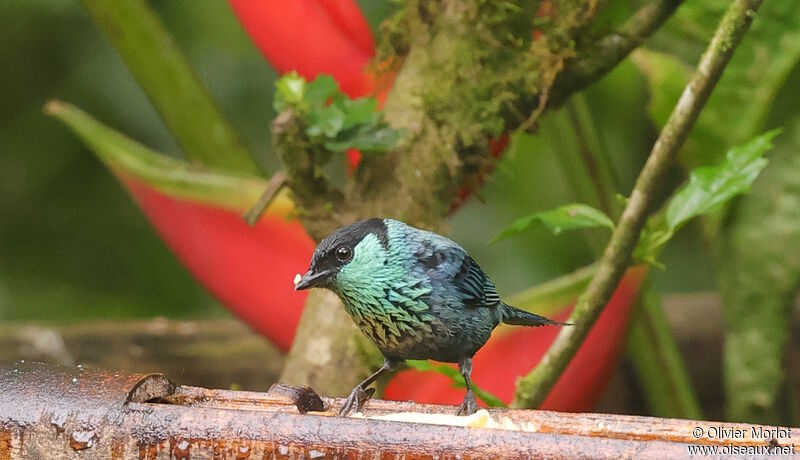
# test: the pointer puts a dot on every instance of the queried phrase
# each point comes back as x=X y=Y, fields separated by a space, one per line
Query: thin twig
x=534 y=387
x=597 y=172
x=534 y=116
x=274 y=186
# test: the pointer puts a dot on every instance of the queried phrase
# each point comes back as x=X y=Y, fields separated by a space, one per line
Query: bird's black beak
x=312 y=279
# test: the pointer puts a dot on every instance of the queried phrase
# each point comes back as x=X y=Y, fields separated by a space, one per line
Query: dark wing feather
x=476 y=288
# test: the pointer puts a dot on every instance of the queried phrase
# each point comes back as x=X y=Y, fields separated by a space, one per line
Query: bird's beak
x=311 y=279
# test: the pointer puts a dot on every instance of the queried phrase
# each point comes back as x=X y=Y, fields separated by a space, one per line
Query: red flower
x=312 y=37
x=249 y=270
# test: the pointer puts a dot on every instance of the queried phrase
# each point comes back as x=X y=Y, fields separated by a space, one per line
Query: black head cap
x=336 y=249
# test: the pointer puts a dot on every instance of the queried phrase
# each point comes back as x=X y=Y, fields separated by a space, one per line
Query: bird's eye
x=344 y=253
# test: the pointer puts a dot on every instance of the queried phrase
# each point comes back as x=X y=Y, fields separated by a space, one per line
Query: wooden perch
x=49 y=411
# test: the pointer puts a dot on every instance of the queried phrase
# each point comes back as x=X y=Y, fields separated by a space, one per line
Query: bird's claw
x=355 y=401
x=469 y=406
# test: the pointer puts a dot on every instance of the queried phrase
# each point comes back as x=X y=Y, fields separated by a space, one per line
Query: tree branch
x=320 y=203
x=534 y=387
x=275 y=185
x=602 y=55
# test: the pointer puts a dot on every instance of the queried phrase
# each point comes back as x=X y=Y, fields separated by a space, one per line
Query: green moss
x=479 y=71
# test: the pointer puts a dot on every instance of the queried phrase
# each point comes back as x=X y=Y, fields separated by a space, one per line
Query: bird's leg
x=469 y=406
x=361 y=393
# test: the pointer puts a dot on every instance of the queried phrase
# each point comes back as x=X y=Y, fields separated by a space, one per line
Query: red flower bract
x=312 y=37
x=250 y=270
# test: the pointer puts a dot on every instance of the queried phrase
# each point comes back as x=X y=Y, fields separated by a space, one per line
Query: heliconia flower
x=312 y=37
x=198 y=211
x=249 y=270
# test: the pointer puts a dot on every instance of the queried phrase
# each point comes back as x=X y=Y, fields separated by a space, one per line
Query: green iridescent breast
x=381 y=296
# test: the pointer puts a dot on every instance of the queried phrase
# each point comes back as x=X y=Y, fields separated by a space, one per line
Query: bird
x=415 y=294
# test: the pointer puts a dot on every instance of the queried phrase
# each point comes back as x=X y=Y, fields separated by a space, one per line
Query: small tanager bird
x=415 y=294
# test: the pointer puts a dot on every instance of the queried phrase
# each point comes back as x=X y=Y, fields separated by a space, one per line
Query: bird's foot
x=469 y=406
x=355 y=401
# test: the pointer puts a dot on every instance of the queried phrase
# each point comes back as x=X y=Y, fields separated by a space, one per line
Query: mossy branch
x=600 y=56
x=534 y=387
x=320 y=203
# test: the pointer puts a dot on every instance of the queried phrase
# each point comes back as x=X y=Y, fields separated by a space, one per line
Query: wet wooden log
x=51 y=411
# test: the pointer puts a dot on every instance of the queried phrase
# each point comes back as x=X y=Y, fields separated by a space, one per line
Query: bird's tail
x=517 y=317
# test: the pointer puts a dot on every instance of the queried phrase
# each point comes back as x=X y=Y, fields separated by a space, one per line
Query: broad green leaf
x=569 y=217
x=177 y=178
x=172 y=85
x=711 y=186
x=458 y=380
x=758 y=269
x=361 y=111
x=707 y=189
x=327 y=121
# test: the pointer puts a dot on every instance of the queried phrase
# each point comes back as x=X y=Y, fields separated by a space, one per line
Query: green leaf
x=711 y=186
x=707 y=189
x=569 y=217
x=290 y=91
x=362 y=111
x=173 y=87
x=128 y=158
x=334 y=120
x=458 y=380
x=327 y=121
x=319 y=91
x=368 y=140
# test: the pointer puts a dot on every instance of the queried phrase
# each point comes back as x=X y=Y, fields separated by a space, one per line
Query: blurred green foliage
x=72 y=244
